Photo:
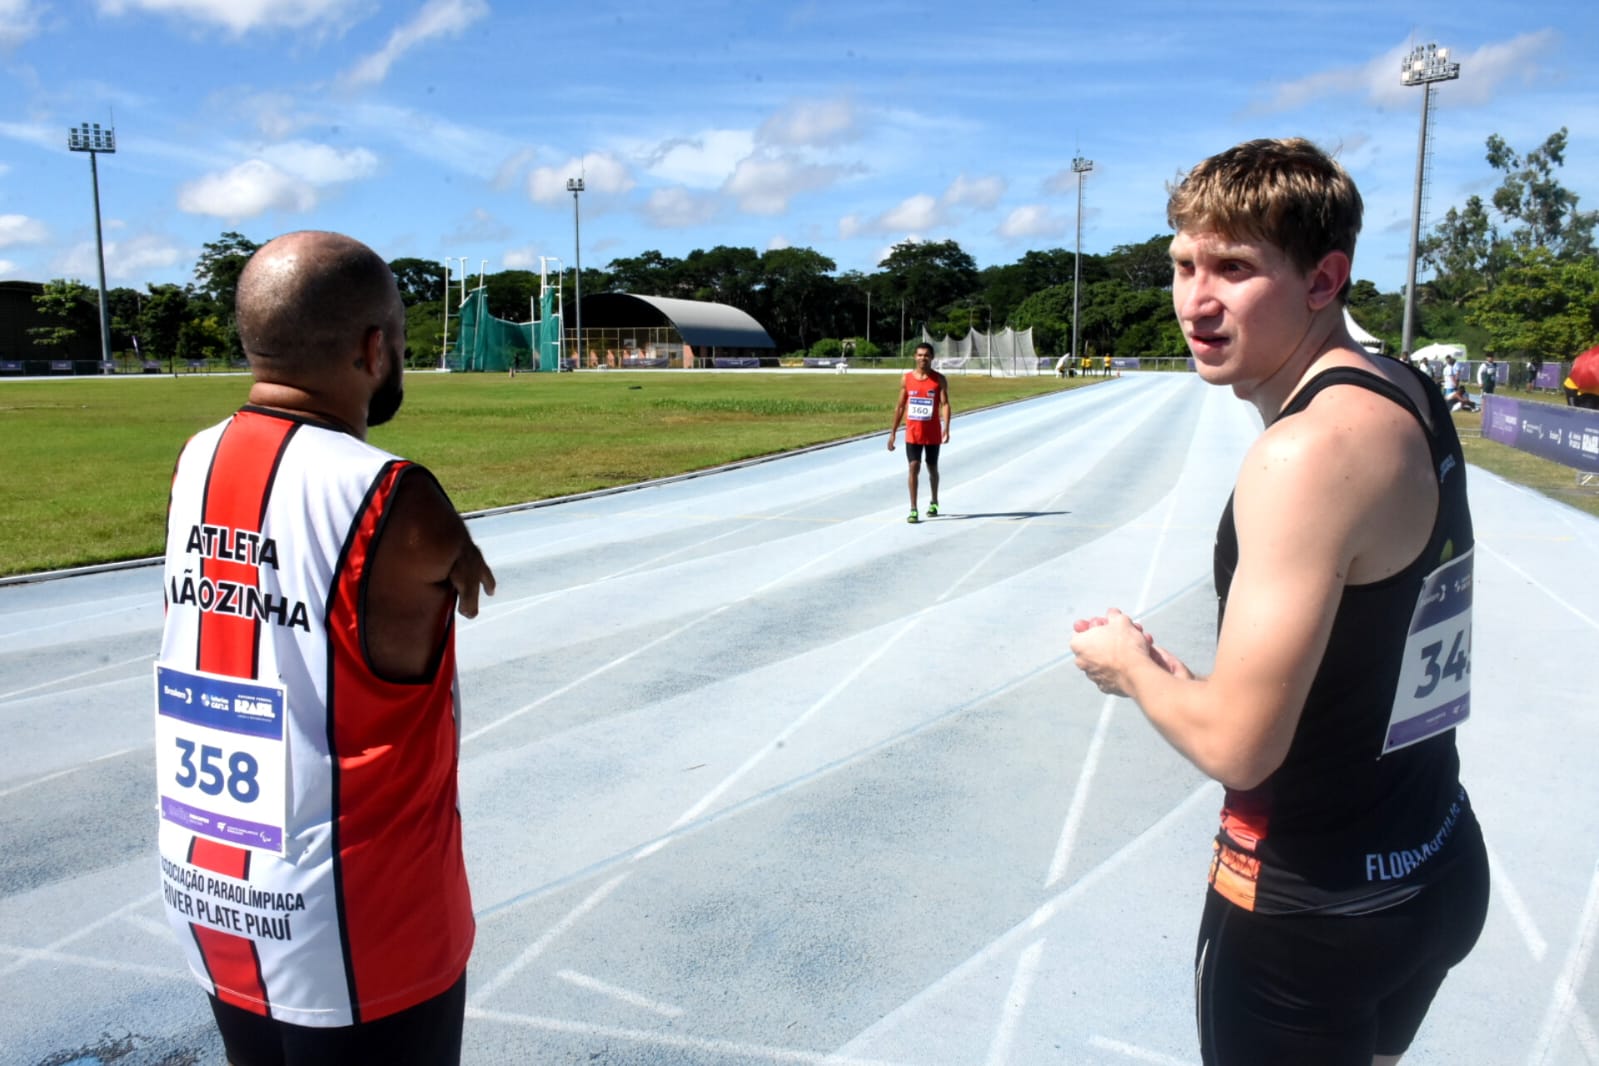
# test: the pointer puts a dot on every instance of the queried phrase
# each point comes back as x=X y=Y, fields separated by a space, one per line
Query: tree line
x=1516 y=274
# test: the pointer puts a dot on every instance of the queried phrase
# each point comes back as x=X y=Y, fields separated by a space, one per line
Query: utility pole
x=575 y=186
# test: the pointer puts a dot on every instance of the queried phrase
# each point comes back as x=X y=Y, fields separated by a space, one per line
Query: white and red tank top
x=923 y=397
x=311 y=858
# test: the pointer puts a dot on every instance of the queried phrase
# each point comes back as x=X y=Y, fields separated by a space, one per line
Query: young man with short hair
x=924 y=408
x=1349 y=873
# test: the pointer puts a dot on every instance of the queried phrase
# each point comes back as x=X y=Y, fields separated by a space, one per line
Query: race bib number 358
x=1434 y=692
x=221 y=757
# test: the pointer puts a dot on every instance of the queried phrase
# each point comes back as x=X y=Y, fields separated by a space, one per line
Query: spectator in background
x=1451 y=376
x=1488 y=375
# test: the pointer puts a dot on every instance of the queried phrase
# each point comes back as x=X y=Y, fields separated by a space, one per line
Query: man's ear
x=1327 y=279
x=371 y=359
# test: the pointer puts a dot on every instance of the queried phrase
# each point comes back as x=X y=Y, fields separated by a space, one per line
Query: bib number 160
x=211 y=776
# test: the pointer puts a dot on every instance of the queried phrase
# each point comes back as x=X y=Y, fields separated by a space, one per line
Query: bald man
x=307 y=725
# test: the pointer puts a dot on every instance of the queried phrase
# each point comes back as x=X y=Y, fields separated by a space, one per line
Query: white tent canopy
x=1364 y=339
x=1434 y=353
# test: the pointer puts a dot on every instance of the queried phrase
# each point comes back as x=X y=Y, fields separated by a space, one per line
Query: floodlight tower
x=1080 y=167
x=89 y=137
x=575 y=186
x=1426 y=65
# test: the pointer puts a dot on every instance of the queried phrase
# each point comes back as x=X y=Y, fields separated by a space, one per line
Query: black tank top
x=1341 y=826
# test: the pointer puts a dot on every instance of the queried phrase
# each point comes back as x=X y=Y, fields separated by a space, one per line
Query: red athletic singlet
x=923 y=399
x=310 y=842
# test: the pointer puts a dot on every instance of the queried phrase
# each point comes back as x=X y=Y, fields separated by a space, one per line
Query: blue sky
x=435 y=128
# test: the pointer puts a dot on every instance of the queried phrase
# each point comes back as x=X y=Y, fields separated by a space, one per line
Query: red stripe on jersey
x=235 y=499
x=397 y=832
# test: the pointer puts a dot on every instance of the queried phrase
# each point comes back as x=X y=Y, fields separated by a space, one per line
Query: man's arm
x=423 y=560
x=899 y=414
x=1314 y=505
x=943 y=396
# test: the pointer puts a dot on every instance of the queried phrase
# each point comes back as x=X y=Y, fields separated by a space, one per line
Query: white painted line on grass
x=624 y=995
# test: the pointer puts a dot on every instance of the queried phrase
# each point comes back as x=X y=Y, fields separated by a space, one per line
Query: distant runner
x=924 y=408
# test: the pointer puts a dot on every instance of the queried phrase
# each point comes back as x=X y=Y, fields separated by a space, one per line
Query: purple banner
x=1550 y=376
x=1124 y=363
x=1568 y=435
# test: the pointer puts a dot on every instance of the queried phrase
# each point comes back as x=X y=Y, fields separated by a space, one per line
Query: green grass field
x=89 y=460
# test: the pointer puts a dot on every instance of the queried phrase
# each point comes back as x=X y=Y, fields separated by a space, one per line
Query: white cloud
x=813 y=124
x=252 y=188
x=242 y=16
x=678 y=208
x=19 y=20
x=479 y=227
x=8 y=269
x=437 y=18
x=1062 y=182
x=524 y=258
x=601 y=173
x=320 y=164
x=1481 y=74
x=917 y=212
x=778 y=241
x=20 y=229
x=132 y=259
x=765 y=186
x=1032 y=220
x=509 y=172
x=975 y=192
x=702 y=161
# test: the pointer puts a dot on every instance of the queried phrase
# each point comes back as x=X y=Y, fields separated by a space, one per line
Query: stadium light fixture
x=1426 y=65
x=1080 y=167
x=575 y=186
x=89 y=137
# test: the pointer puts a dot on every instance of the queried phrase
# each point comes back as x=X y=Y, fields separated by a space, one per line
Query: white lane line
x=802 y=780
x=777 y=742
x=1136 y=1053
x=1096 y=746
x=142 y=604
x=510 y=610
x=1587 y=619
x=1563 y=998
x=1504 y=890
x=1010 y=1018
x=1043 y=914
x=625 y=995
x=1585 y=1033
x=67 y=772
x=27 y=955
x=82 y=931
x=537 y=948
x=675 y=1041
x=693 y=623
x=147 y=657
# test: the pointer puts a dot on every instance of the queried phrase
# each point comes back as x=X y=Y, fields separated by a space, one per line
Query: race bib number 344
x=1434 y=692
x=221 y=757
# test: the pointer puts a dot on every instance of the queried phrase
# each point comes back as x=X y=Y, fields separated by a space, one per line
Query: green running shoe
x=932 y=510
x=913 y=519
